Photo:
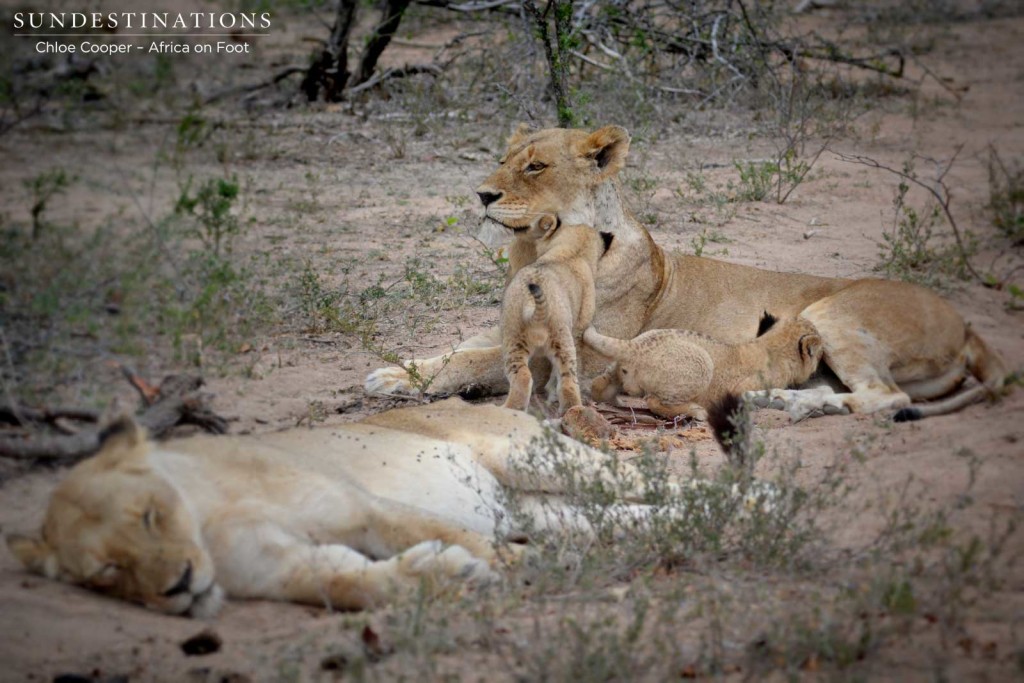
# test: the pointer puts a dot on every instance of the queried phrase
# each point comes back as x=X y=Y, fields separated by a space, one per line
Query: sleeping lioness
x=349 y=517
x=889 y=343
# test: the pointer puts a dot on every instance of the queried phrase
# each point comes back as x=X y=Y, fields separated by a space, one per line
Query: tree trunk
x=328 y=73
x=392 y=15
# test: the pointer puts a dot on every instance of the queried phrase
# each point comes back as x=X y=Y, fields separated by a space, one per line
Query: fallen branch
x=397 y=72
x=179 y=402
x=253 y=87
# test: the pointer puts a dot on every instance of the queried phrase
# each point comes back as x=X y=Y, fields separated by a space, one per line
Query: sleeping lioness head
x=115 y=525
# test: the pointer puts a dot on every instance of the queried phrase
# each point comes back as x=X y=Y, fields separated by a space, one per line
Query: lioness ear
x=520 y=134
x=608 y=147
x=121 y=439
x=34 y=554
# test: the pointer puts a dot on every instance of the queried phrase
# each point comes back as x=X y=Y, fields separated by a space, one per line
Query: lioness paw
x=431 y=559
x=389 y=381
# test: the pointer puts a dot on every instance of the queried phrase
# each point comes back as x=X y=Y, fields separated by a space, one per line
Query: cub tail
x=606 y=346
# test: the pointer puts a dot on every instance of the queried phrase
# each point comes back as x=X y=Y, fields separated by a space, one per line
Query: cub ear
x=608 y=147
x=35 y=554
x=548 y=222
x=522 y=131
x=810 y=347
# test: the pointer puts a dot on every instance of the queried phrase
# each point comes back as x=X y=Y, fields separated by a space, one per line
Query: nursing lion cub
x=546 y=307
x=349 y=517
x=682 y=373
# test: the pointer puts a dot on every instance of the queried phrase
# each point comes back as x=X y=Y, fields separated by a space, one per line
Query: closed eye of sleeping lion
x=681 y=373
x=350 y=516
x=889 y=343
x=546 y=307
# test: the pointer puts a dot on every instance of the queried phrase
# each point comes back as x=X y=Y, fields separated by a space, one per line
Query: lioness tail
x=987 y=367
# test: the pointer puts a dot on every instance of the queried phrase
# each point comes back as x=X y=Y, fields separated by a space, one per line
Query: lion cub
x=546 y=307
x=682 y=373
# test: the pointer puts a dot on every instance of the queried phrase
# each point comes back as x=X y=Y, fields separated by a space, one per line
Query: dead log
x=178 y=401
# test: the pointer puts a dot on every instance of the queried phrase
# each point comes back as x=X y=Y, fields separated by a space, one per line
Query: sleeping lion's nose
x=183 y=583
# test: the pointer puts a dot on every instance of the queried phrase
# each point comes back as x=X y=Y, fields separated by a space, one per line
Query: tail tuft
x=910 y=414
x=721 y=418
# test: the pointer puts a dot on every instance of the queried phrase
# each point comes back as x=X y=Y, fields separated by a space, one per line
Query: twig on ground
x=939 y=190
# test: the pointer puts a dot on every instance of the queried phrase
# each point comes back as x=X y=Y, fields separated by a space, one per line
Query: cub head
x=552 y=171
x=116 y=525
x=796 y=345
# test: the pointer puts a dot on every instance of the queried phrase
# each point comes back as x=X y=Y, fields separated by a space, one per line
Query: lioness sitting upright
x=546 y=307
x=682 y=373
x=888 y=342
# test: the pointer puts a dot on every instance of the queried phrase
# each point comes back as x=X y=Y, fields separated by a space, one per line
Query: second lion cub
x=682 y=373
x=546 y=307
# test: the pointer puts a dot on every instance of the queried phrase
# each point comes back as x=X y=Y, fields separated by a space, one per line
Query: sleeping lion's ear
x=522 y=131
x=608 y=147
x=121 y=440
x=35 y=554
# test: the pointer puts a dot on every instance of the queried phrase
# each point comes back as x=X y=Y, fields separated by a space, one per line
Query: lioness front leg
x=478 y=370
x=271 y=563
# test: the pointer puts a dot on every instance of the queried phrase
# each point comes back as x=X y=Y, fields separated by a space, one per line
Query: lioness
x=682 y=373
x=347 y=516
x=888 y=342
x=546 y=307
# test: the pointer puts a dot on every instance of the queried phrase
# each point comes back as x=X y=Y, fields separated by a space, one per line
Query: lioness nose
x=489 y=198
x=183 y=583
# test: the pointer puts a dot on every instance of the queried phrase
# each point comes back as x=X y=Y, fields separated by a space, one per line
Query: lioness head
x=552 y=171
x=117 y=526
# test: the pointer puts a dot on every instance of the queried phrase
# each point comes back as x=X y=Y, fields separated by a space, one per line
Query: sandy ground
x=369 y=203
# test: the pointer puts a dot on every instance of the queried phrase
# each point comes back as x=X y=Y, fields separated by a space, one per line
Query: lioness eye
x=535 y=167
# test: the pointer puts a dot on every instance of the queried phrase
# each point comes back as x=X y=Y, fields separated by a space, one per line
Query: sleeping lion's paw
x=431 y=559
x=390 y=381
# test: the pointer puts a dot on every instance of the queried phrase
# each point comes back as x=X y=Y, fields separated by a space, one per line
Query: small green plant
x=756 y=180
x=211 y=207
x=698 y=242
x=45 y=187
x=911 y=249
x=1006 y=197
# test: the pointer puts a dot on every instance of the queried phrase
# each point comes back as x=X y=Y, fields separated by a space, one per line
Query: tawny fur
x=350 y=516
x=682 y=373
x=546 y=307
x=888 y=342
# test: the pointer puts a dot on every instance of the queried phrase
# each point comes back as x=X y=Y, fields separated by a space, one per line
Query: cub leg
x=563 y=353
x=520 y=379
x=674 y=410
